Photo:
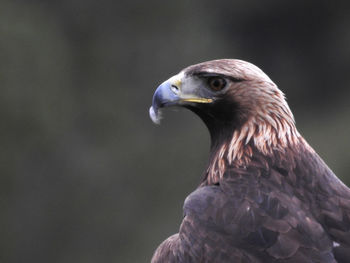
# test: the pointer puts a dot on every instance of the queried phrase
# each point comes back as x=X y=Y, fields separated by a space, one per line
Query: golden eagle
x=266 y=196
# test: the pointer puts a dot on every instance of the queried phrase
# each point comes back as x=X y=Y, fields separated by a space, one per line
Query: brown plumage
x=266 y=196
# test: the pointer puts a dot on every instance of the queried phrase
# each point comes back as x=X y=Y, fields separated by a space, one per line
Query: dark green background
x=85 y=175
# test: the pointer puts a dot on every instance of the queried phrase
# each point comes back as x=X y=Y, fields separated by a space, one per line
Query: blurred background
x=85 y=175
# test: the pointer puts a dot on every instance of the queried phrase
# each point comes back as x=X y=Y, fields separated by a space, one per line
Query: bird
x=265 y=195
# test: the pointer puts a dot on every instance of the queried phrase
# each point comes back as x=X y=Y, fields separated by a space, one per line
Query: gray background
x=85 y=175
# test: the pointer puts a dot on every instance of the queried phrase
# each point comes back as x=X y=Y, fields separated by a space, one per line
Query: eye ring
x=216 y=83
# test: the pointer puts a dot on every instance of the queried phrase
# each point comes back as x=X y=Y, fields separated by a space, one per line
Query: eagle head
x=241 y=106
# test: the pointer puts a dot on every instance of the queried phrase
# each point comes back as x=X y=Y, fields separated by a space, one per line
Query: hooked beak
x=174 y=92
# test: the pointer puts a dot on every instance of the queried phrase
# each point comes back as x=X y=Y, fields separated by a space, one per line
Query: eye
x=216 y=83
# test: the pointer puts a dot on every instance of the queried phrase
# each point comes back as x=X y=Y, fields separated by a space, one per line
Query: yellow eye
x=216 y=83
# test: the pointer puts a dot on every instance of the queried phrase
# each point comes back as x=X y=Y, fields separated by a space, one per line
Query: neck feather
x=266 y=134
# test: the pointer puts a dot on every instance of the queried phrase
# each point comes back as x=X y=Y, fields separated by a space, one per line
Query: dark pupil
x=217 y=84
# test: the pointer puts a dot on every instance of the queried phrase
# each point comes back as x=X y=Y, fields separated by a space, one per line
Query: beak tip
x=154 y=115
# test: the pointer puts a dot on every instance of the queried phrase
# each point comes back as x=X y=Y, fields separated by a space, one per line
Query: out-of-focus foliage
x=86 y=177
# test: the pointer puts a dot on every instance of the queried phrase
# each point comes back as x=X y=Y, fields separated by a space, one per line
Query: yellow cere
x=177 y=83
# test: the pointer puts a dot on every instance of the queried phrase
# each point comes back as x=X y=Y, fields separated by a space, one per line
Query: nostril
x=174 y=88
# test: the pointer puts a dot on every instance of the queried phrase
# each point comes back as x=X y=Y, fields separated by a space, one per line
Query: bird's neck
x=268 y=138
